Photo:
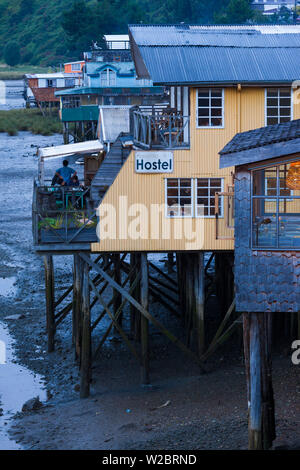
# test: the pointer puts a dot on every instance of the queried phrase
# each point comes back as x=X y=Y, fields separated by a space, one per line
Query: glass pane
x=185 y=182
x=216 y=112
x=203 y=102
x=216 y=102
x=272 y=102
x=202 y=182
x=285 y=119
x=271 y=121
x=203 y=93
x=285 y=111
x=203 y=112
x=203 y=122
x=216 y=92
x=172 y=182
x=264 y=226
x=285 y=102
x=216 y=182
x=216 y=122
x=271 y=92
x=273 y=112
x=289 y=223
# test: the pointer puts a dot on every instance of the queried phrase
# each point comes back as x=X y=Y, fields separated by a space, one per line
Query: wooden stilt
x=132 y=309
x=170 y=262
x=144 y=320
x=50 y=301
x=136 y=295
x=199 y=299
x=258 y=361
x=77 y=304
x=117 y=298
x=85 y=366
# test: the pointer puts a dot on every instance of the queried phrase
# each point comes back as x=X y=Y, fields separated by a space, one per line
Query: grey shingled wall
x=266 y=281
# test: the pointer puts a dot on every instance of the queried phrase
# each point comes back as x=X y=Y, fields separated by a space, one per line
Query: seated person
x=74 y=180
x=65 y=174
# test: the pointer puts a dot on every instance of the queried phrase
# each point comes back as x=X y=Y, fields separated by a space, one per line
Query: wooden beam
x=144 y=320
x=50 y=302
x=258 y=361
x=143 y=311
x=85 y=366
x=199 y=300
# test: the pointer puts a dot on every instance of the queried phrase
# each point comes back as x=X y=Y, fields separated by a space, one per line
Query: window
x=70 y=82
x=179 y=197
x=275 y=209
x=188 y=197
x=76 y=67
x=108 y=77
x=206 y=191
x=70 y=102
x=278 y=105
x=210 y=106
x=51 y=83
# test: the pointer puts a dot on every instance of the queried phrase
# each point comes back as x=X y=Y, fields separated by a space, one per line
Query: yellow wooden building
x=221 y=82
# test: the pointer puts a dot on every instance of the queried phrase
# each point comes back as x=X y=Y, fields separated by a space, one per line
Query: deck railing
x=160 y=128
x=61 y=215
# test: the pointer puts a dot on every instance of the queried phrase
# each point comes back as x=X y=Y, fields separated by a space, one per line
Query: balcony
x=160 y=128
x=62 y=218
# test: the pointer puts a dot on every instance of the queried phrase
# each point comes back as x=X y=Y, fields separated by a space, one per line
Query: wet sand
x=181 y=410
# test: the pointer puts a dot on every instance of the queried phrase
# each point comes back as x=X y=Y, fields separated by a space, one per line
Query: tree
x=78 y=25
x=237 y=12
x=12 y=53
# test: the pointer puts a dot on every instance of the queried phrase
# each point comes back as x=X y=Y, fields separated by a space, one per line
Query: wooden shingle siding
x=266 y=281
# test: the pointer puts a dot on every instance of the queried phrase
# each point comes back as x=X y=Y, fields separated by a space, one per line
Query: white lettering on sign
x=154 y=162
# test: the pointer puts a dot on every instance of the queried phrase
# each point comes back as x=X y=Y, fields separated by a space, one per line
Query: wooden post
x=50 y=309
x=144 y=320
x=77 y=304
x=136 y=295
x=117 y=298
x=170 y=262
x=199 y=300
x=85 y=366
x=132 y=309
x=258 y=361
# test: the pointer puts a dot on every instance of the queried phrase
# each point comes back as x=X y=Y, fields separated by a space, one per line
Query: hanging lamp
x=293 y=176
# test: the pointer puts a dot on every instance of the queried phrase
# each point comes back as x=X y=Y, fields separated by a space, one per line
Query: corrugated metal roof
x=184 y=54
x=112 y=91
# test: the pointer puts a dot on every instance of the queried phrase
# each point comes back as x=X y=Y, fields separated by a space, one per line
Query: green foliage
x=53 y=31
x=12 y=53
x=31 y=120
x=237 y=12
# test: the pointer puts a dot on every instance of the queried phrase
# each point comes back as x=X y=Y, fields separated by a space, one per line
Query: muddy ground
x=182 y=409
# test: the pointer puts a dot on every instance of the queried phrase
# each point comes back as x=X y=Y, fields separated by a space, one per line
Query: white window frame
x=107 y=71
x=192 y=199
x=221 y=216
x=292 y=103
x=194 y=186
x=76 y=67
x=223 y=111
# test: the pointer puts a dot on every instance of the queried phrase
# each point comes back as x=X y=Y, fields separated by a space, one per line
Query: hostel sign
x=154 y=162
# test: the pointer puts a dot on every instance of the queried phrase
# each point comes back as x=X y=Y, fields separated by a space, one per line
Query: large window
x=278 y=105
x=210 y=107
x=179 y=194
x=51 y=83
x=206 y=192
x=108 y=77
x=275 y=208
x=189 y=197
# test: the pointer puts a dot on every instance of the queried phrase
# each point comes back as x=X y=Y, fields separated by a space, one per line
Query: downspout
x=239 y=109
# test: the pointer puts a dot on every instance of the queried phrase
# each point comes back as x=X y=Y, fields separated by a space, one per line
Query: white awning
x=91 y=146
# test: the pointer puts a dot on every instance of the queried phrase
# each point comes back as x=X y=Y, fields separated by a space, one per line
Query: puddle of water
x=17 y=385
x=7 y=286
